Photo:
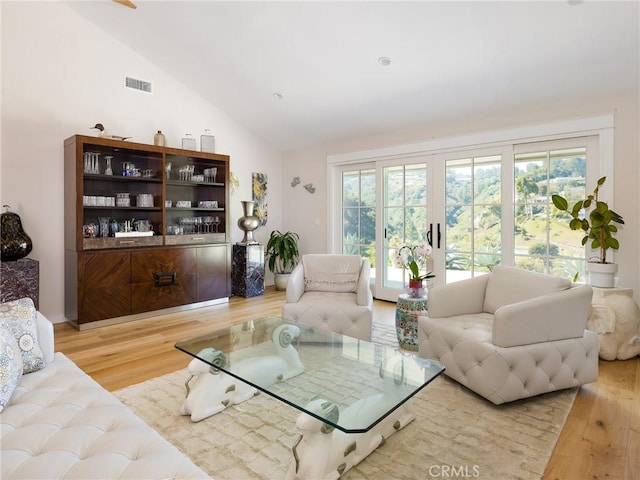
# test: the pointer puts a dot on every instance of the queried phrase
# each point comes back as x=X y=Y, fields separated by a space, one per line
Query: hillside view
x=472 y=236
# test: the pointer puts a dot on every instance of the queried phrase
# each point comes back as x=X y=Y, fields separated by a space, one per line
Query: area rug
x=456 y=434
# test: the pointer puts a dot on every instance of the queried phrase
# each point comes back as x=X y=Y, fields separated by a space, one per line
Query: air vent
x=135 y=84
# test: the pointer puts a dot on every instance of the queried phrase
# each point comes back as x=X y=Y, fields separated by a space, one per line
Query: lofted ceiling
x=448 y=60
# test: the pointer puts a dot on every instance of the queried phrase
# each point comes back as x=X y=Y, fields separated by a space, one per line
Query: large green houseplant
x=282 y=255
x=598 y=226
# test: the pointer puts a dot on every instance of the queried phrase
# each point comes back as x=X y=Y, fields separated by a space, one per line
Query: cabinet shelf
x=180 y=183
x=200 y=209
x=119 y=178
x=147 y=209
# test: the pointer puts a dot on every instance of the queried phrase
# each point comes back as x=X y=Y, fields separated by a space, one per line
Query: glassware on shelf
x=108 y=170
x=207 y=142
x=188 y=142
x=91 y=162
x=210 y=175
x=216 y=223
x=167 y=169
x=104 y=226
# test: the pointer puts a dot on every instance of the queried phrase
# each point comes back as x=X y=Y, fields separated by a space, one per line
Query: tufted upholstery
x=533 y=346
x=347 y=310
x=62 y=424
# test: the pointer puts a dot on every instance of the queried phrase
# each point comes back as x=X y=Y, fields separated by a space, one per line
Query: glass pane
x=488 y=228
x=394 y=222
x=415 y=184
x=458 y=181
x=368 y=188
x=415 y=225
x=350 y=188
x=487 y=179
x=458 y=267
x=394 y=186
x=350 y=225
x=367 y=226
x=458 y=234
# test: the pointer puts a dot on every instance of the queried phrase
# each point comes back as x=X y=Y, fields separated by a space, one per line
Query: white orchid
x=413 y=257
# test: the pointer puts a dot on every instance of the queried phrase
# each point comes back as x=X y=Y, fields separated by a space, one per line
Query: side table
x=19 y=279
x=408 y=309
x=615 y=317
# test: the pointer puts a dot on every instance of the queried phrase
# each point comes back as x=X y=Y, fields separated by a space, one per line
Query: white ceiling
x=448 y=59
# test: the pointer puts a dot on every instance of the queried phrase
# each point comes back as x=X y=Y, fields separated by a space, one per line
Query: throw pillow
x=331 y=273
x=20 y=318
x=10 y=365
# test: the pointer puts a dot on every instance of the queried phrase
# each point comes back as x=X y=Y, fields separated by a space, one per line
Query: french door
x=476 y=207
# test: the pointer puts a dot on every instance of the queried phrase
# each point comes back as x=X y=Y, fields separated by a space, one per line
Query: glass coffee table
x=352 y=393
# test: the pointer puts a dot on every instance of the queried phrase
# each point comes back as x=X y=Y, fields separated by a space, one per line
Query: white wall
x=306 y=214
x=60 y=76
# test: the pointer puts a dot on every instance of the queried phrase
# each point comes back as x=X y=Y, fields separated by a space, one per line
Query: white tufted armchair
x=331 y=292
x=511 y=334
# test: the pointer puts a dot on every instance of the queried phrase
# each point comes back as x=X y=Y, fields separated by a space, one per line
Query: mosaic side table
x=407 y=311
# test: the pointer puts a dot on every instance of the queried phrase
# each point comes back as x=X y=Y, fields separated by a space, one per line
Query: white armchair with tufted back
x=511 y=334
x=331 y=292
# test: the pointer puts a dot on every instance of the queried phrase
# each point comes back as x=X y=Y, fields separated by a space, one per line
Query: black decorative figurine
x=15 y=243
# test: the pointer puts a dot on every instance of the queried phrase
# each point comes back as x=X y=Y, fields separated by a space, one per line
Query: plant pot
x=280 y=280
x=602 y=274
x=416 y=289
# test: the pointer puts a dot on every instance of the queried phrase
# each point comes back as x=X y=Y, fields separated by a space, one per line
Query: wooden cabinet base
x=141 y=316
x=121 y=285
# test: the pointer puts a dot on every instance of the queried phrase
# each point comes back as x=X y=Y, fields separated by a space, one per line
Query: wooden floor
x=600 y=440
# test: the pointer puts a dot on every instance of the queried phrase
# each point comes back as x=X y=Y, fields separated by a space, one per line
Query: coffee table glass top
x=345 y=382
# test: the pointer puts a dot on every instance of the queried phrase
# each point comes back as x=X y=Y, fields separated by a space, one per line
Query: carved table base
x=323 y=453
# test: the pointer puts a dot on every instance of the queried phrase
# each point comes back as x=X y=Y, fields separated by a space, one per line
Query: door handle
x=439 y=235
x=430 y=235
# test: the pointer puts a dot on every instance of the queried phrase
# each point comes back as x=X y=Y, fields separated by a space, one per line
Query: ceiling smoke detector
x=384 y=61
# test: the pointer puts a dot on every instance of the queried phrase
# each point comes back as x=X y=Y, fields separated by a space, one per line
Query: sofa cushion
x=509 y=285
x=331 y=273
x=20 y=317
x=10 y=365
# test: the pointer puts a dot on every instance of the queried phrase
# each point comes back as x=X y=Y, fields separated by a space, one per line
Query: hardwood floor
x=600 y=440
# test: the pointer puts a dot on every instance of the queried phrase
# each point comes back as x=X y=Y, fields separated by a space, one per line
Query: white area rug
x=456 y=434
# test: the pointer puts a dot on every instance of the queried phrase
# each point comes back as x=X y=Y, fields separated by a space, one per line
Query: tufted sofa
x=511 y=334
x=331 y=292
x=60 y=423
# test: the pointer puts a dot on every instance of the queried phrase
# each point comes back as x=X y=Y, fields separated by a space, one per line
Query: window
x=358 y=213
x=543 y=241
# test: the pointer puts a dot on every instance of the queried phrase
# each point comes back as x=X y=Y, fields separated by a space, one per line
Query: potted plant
x=598 y=227
x=414 y=258
x=282 y=256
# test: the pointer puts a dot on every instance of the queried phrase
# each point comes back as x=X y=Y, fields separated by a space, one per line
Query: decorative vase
x=15 y=243
x=416 y=289
x=248 y=223
x=602 y=274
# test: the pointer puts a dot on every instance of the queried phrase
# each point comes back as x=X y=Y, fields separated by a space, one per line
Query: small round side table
x=407 y=311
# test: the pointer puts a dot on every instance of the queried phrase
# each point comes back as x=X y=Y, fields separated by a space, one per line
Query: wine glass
x=207 y=223
x=216 y=223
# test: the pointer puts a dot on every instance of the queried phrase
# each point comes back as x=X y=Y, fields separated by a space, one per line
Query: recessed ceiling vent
x=136 y=84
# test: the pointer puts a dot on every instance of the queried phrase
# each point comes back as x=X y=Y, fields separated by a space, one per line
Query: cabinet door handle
x=165 y=279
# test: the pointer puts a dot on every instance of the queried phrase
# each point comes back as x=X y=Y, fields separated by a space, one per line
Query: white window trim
x=602 y=126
